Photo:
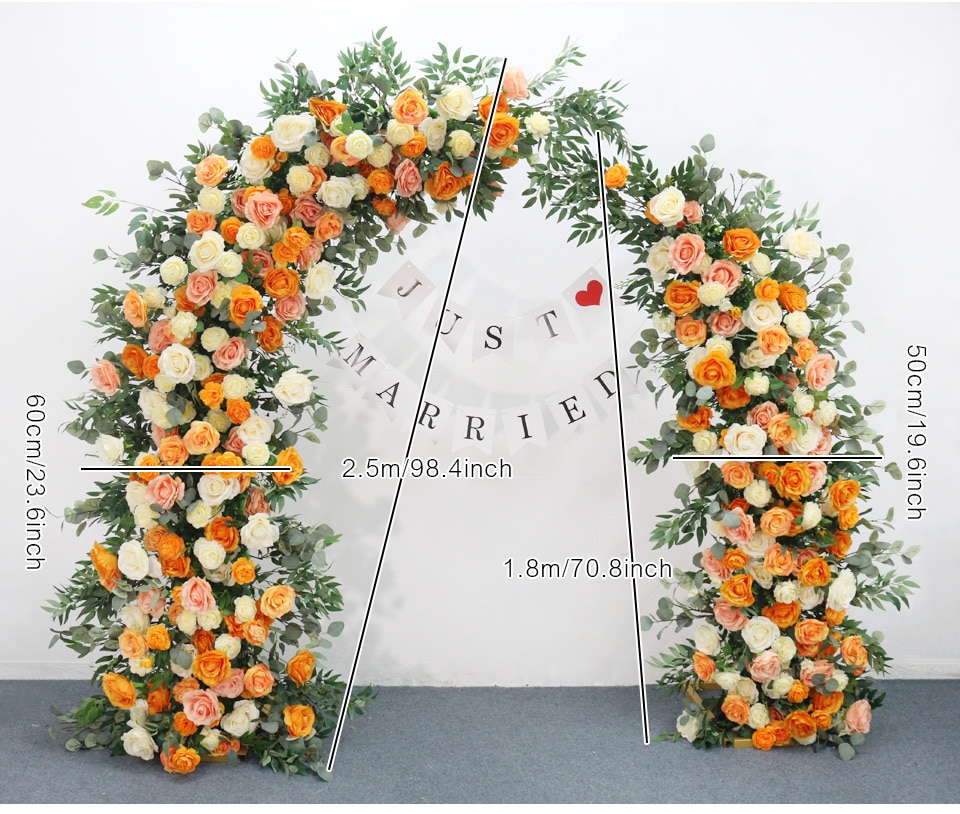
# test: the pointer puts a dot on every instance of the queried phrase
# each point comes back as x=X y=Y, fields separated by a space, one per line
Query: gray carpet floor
x=529 y=745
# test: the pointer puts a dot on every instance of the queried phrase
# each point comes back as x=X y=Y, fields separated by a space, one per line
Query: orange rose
x=801 y=724
x=830 y=703
x=182 y=687
x=132 y=358
x=283 y=253
x=764 y=738
x=281 y=282
x=258 y=681
x=798 y=693
x=243 y=570
x=203 y=640
x=844 y=493
x=199 y=222
x=783 y=614
x=415 y=146
x=700 y=420
x=180 y=760
x=277 y=601
x=211 y=395
x=616 y=176
x=381 y=181
x=329 y=226
x=848 y=518
x=776 y=522
x=781 y=733
x=152 y=538
x=805 y=350
x=244 y=299
x=105 y=562
x=146 y=460
x=443 y=185
x=288 y=457
x=735 y=708
x=731 y=398
x=773 y=340
x=134 y=309
x=211 y=170
x=158 y=700
x=741 y=244
x=833 y=617
x=271 y=337
x=201 y=438
x=487 y=102
x=780 y=430
x=170 y=546
x=151 y=367
x=809 y=634
x=795 y=480
x=737 y=474
x=714 y=370
x=119 y=690
x=681 y=297
x=691 y=332
x=778 y=560
x=703 y=666
x=734 y=559
x=229 y=228
x=824 y=720
x=767 y=290
x=792 y=297
x=853 y=652
x=299 y=720
x=814 y=572
x=158 y=638
x=132 y=644
x=184 y=725
x=297 y=237
x=211 y=667
x=179 y=567
x=326 y=110
x=841 y=544
x=220 y=531
x=255 y=632
x=738 y=590
x=384 y=207
x=172 y=451
x=300 y=667
x=410 y=107
x=238 y=410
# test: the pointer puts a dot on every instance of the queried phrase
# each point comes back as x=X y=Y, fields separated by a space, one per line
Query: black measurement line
x=198 y=468
x=623 y=445
x=341 y=718
x=763 y=457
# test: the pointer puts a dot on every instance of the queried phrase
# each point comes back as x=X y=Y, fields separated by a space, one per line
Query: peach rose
x=820 y=371
x=119 y=690
x=773 y=340
x=211 y=170
x=300 y=667
x=256 y=503
x=164 y=491
x=201 y=439
x=172 y=451
x=741 y=244
x=263 y=209
x=681 y=297
x=692 y=212
x=104 y=376
x=231 y=686
x=196 y=595
x=723 y=323
x=765 y=667
x=134 y=309
x=686 y=253
x=515 y=83
x=277 y=601
x=776 y=522
x=151 y=602
x=180 y=760
x=396 y=223
x=410 y=107
x=159 y=338
x=735 y=708
x=729 y=617
x=858 y=716
x=780 y=430
x=738 y=590
x=853 y=652
x=201 y=285
x=299 y=720
x=258 y=681
x=691 y=332
x=230 y=354
x=132 y=644
x=762 y=414
x=306 y=209
x=714 y=370
x=778 y=560
x=202 y=707
x=199 y=222
x=737 y=474
x=407 y=179
x=725 y=272
x=742 y=533
x=717 y=569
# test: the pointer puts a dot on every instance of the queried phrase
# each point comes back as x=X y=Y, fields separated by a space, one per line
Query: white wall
x=850 y=106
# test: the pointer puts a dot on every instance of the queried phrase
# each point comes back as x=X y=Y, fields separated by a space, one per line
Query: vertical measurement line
x=471 y=197
x=623 y=444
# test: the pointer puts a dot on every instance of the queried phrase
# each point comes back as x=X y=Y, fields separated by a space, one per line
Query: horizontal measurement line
x=186 y=468
x=777 y=457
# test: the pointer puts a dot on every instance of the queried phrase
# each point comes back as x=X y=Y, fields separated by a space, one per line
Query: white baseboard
x=40 y=671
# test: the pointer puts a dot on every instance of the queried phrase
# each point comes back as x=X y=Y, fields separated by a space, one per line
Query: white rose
x=292 y=388
x=747 y=689
x=757 y=545
x=825 y=414
x=176 y=363
x=694 y=357
x=210 y=553
x=780 y=686
x=256 y=454
x=706 y=639
x=537 y=124
x=381 y=156
x=359 y=144
x=320 y=280
x=695 y=468
x=811 y=516
x=109 y=449
x=209 y=738
x=138 y=743
x=667 y=206
x=173 y=271
x=136 y=494
x=786 y=648
x=139 y=712
x=229 y=645
x=231 y=264
x=786 y=591
x=132 y=617
x=244 y=609
x=842 y=679
x=241 y=720
x=183 y=324
x=842 y=591
x=759 y=716
x=760 y=314
x=289 y=131
x=658 y=259
x=797 y=324
x=743 y=439
x=726 y=680
x=214 y=489
x=209 y=620
x=755 y=357
x=206 y=252
x=153 y=297
x=760 y=264
x=187 y=622
x=801 y=244
x=721 y=344
x=756 y=384
x=807 y=740
x=234 y=386
x=664 y=323
x=456 y=102
x=461 y=144
x=221 y=293
x=337 y=193
x=689 y=726
x=253 y=169
x=299 y=180
x=760 y=574
x=199 y=514
x=360 y=187
x=211 y=200
x=399 y=134
x=317 y=154
x=164 y=384
x=711 y=294
x=255 y=430
x=809 y=597
x=219 y=420
x=805 y=441
x=705 y=442
x=250 y=236
x=759 y=633
x=259 y=534
x=133 y=560
x=435 y=132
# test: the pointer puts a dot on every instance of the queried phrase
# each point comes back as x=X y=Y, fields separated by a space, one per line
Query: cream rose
x=667 y=206
x=760 y=633
x=199 y=514
x=825 y=414
x=133 y=560
x=359 y=144
x=803 y=402
x=241 y=720
x=256 y=454
x=456 y=102
x=711 y=294
x=797 y=324
x=664 y=323
x=787 y=591
x=760 y=265
x=138 y=743
x=759 y=716
x=203 y=367
x=299 y=180
x=321 y=277
x=211 y=200
x=756 y=384
x=132 y=617
x=153 y=297
x=760 y=314
x=381 y=156
x=317 y=154
x=461 y=144
x=755 y=357
x=747 y=690
x=253 y=169
x=720 y=344
x=707 y=640
x=537 y=125
x=228 y=645
x=234 y=386
x=250 y=236
x=214 y=489
x=360 y=187
x=689 y=726
x=658 y=259
x=173 y=271
x=109 y=449
x=435 y=132
x=255 y=430
x=245 y=609
x=705 y=442
x=209 y=620
x=786 y=648
x=182 y=325
x=177 y=364
x=209 y=553
x=806 y=440
x=842 y=591
x=289 y=131
x=206 y=252
x=337 y=193
x=809 y=597
x=135 y=493
x=801 y=244
x=259 y=534
x=292 y=388
x=744 y=439
x=398 y=133
x=219 y=420
x=726 y=680
x=760 y=574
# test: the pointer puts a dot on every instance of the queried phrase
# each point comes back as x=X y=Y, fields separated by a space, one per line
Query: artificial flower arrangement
x=209 y=609
x=748 y=313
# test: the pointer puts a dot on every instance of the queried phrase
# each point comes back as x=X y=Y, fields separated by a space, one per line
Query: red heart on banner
x=591 y=294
